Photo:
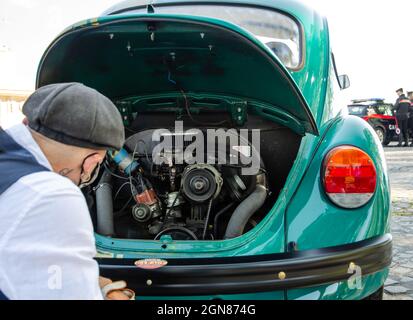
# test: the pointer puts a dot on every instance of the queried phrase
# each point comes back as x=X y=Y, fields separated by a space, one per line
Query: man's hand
x=115 y=290
x=104 y=281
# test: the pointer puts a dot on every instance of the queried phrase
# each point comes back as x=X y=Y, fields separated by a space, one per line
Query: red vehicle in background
x=379 y=115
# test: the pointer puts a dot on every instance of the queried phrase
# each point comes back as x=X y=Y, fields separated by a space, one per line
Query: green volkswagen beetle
x=242 y=176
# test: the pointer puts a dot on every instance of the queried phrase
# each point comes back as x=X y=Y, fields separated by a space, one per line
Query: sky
x=373 y=43
x=372 y=40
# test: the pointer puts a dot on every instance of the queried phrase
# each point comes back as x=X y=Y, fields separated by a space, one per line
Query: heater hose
x=245 y=211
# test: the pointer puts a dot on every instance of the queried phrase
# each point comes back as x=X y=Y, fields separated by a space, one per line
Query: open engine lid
x=135 y=55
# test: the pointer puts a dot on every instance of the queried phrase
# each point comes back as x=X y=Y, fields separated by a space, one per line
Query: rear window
x=384 y=109
x=278 y=31
x=357 y=110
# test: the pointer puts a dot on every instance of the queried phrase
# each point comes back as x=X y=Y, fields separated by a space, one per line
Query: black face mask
x=92 y=176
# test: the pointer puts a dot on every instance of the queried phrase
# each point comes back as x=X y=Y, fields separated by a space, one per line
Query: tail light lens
x=350 y=177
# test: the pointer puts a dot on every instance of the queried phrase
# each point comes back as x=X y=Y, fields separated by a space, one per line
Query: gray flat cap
x=74 y=114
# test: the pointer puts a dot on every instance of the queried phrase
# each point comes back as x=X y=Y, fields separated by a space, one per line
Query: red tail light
x=350 y=177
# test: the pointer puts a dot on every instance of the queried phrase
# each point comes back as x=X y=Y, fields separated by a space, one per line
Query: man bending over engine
x=46 y=234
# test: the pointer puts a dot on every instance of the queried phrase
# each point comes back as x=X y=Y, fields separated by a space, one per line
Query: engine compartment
x=150 y=193
x=208 y=74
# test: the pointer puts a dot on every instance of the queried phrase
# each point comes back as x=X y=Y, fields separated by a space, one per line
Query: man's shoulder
x=45 y=194
x=47 y=182
x=45 y=197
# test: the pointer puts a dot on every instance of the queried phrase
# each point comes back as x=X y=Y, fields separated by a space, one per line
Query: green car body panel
x=303 y=213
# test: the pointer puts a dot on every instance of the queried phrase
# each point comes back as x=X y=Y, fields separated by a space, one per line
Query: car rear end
x=324 y=231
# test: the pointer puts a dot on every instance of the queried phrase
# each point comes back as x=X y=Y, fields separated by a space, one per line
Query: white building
x=11 y=103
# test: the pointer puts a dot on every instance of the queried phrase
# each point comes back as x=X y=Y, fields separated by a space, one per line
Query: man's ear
x=91 y=162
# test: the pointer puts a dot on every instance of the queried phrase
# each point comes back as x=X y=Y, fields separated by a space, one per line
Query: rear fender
x=313 y=221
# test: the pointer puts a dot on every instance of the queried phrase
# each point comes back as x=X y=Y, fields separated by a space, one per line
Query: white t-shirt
x=46 y=235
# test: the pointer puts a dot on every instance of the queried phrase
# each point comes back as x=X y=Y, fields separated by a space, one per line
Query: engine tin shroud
x=200 y=185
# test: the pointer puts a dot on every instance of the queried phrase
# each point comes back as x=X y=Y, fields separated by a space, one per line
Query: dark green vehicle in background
x=312 y=223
